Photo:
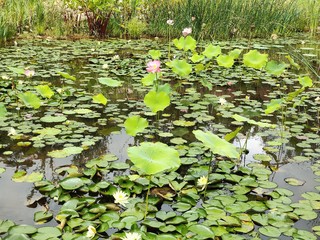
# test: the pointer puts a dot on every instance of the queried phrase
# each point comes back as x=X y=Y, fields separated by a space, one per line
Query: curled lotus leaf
x=157 y=101
x=216 y=144
x=255 y=59
x=30 y=100
x=225 y=61
x=275 y=68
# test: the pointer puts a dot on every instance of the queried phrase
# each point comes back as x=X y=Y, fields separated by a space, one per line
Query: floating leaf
x=47 y=131
x=22 y=229
x=152 y=158
x=44 y=91
x=16 y=70
x=50 y=119
x=211 y=51
x=3 y=110
x=30 y=99
x=71 y=183
x=203 y=232
x=260 y=124
x=66 y=152
x=2 y=170
x=22 y=177
x=217 y=145
x=157 y=101
x=42 y=216
x=294 y=181
x=135 y=124
x=109 y=82
x=255 y=59
x=100 y=98
x=270 y=231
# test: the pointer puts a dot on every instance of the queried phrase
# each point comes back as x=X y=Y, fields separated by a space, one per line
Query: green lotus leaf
x=303 y=234
x=155 y=54
x=100 y=98
x=135 y=124
x=3 y=110
x=30 y=99
x=212 y=51
x=305 y=81
x=44 y=91
x=255 y=59
x=148 y=79
x=225 y=61
x=50 y=119
x=152 y=158
x=274 y=105
x=2 y=170
x=71 y=183
x=217 y=145
x=196 y=58
x=185 y=43
x=109 y=82
x=67 y=76
x=66 y=152
x=275 y=68
x=181 y=67
x=157 y=101
x=235 y=53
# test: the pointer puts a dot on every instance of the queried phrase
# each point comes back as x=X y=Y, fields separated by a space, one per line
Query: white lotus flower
x=202 y=182
x=91 y=232
x=222 y=101
x=132 y=236
x=12 y=132
x=121 y=198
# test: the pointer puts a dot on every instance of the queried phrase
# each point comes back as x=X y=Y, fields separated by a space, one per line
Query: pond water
x=99 y=129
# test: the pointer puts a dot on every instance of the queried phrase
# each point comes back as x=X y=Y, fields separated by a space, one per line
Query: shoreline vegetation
x=132 y=19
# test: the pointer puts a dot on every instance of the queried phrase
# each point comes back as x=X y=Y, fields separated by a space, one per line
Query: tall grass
x=227 y=18
x=311 y=12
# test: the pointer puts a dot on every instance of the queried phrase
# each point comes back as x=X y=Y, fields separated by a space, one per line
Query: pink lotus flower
x=170 y=22
x=153 y=66
x=29 y=73
x=186 y=32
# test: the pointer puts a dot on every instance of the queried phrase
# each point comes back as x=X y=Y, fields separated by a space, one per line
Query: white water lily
x=105 y=66
x=132 y=236
x=91 y=232
x=115 y=57
x=12 y=132
x=121 y=198
x=222 y=101
x=202 y=181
